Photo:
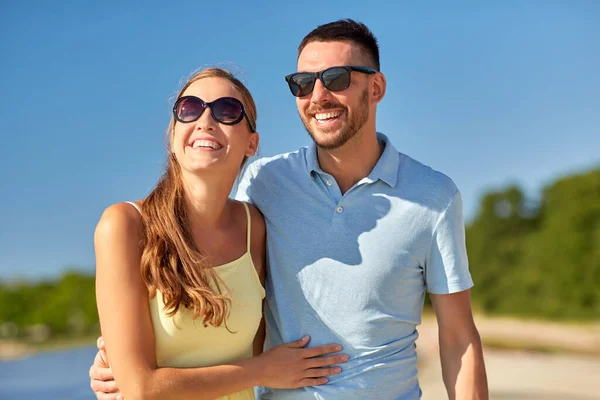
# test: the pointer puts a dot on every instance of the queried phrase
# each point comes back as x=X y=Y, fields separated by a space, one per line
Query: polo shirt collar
x=386 y=169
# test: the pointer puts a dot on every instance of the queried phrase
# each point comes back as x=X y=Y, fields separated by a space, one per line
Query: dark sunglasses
x=226 y=110
x=334 y=79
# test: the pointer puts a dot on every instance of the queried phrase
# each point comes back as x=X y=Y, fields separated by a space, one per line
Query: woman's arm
x=127 y=330
x=258 y=252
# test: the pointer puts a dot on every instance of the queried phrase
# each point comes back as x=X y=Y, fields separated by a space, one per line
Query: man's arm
x=102 y=380
x=461 y=353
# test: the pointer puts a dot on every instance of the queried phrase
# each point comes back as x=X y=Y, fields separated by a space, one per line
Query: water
x=60 y=375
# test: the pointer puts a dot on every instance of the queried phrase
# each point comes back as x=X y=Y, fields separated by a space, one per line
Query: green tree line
x=531 y=259
x=539 y=260
x=40 y=310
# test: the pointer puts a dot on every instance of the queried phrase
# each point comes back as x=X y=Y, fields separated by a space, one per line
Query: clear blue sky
x=489 y=93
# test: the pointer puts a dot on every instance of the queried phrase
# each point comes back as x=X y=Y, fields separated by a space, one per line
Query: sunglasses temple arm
x=252 y=127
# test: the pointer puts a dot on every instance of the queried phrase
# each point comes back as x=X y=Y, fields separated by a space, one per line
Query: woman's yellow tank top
x=183 y=342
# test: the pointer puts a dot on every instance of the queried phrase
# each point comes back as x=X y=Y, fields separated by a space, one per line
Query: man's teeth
x=206 y=143
x=329 y=115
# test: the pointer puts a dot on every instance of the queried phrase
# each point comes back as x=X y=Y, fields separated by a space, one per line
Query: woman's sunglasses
x=334 y=79
x=226 y=110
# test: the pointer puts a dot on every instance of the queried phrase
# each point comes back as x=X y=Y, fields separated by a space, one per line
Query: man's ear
x=378 y=88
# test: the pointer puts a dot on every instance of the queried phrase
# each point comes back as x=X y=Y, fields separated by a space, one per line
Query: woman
x=180 y=274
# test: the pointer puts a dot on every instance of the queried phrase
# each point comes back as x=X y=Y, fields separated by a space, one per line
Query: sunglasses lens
x=188 y=109
x=228 y=110
x=302 y=84
x=336 y=79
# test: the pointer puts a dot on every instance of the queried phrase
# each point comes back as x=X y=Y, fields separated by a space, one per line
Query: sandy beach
x=567 y=370
x=11 y=350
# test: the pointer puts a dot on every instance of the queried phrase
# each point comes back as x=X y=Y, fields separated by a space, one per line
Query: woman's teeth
x=206 y=143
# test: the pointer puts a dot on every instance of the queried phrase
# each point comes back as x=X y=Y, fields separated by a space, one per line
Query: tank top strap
x=135 y=206
x=248 y=226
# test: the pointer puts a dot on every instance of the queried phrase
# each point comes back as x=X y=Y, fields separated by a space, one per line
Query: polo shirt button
x=339 y=209
x=329 y=183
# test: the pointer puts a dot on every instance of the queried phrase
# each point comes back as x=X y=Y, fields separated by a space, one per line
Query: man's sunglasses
x=334 y=79
x=226 y=110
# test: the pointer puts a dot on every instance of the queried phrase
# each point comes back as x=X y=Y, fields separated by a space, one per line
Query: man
x=357 y=232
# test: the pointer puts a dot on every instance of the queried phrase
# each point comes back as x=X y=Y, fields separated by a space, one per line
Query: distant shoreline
x=13 y=350
x=17 y=350
x=496 y=333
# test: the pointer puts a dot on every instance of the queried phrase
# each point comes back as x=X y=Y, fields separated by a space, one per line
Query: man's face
x=333 y=118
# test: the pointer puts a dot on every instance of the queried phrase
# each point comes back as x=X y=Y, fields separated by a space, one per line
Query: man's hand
x=102 y=381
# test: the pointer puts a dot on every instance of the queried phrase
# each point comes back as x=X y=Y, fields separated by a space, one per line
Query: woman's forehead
x=209 y=89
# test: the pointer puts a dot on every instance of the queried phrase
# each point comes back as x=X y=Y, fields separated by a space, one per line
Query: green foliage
x=67 y=307
x=541 y=261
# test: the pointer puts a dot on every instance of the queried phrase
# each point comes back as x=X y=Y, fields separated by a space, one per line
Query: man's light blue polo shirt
x=353 y=269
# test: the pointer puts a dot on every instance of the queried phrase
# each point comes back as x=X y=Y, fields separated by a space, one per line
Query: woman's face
x=207 y=144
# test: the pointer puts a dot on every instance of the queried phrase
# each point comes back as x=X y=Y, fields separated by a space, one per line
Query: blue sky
x=490 y=94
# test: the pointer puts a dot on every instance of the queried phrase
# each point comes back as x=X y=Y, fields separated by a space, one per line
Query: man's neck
x=353 y=161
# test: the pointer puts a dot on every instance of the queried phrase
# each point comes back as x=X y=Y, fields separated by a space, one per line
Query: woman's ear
x=252 y=144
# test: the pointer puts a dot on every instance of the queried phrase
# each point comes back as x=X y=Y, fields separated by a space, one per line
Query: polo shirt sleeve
x=243 y=190
x=446 y=263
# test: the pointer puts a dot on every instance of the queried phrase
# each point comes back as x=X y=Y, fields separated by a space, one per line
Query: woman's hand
x=291 y=365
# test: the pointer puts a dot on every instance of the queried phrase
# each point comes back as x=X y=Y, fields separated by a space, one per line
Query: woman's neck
x=206 y=199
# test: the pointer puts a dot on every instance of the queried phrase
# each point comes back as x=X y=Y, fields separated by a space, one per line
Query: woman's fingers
x=321 y=372
x=298 y=343
x=320 y=350
x=325 y=361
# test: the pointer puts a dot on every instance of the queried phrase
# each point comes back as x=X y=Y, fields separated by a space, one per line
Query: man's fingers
x=104 y=358
x=101 y=374
x=104 y=386
x=108 y=396
x=100 y=361
x=100 y=343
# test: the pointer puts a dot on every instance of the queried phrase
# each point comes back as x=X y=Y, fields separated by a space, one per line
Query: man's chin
x=328 y=141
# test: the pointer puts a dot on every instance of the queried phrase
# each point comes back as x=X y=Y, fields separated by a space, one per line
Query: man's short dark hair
x=345 y=30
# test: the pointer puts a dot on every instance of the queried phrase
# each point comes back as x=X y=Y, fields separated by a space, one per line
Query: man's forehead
x=327 y=54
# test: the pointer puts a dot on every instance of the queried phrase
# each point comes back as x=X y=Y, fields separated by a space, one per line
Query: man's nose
x=320 y=93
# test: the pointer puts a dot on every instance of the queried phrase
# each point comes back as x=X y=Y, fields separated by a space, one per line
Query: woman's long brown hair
x=171 y=262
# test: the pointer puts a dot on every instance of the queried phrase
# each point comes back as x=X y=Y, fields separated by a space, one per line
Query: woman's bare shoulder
x=117 y=220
